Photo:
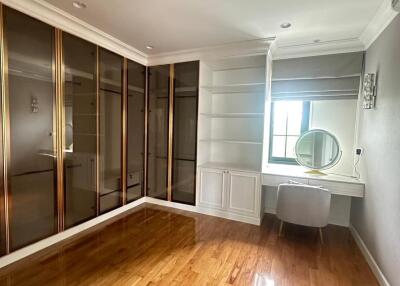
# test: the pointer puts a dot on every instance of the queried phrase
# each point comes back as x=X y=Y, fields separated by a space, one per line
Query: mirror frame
x=325 y=167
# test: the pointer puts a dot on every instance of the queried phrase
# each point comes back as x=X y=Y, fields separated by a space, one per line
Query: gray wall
x=377 y=216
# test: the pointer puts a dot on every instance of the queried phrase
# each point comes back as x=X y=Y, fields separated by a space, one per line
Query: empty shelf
x=237 y=88
x=230 y=141
x=231 y=166
x=234 y=115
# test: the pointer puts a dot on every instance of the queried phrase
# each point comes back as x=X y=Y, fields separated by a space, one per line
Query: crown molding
x=383 y=17
x=316 y=49
x=58 y=18
x=252 y=47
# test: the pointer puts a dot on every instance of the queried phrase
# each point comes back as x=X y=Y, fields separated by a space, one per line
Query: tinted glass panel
x=80 y=103
x=135 y=144
x=185 y=132
x=32 y=171
x=111 y=66
x=158 y=131
x=2 y=213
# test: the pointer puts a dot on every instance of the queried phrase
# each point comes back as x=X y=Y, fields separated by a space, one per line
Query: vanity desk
x=273 y=175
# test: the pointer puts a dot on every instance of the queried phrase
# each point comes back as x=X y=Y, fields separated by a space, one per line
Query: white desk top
x=299 y=172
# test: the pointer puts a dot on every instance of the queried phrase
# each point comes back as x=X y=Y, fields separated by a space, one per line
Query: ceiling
x=174 y=25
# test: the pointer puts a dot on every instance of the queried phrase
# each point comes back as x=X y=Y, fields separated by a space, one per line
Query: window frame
x=305 y=126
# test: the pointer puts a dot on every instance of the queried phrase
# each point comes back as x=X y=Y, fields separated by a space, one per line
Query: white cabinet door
x=244 y=193
x=211 y=188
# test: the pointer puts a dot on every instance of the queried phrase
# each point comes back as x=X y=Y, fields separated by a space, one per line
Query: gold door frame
x=124 y=119
x=170 y=129
x=59 y=129
x=146 y=131
x=97 y=130
x=60 y=126
x=5 y=127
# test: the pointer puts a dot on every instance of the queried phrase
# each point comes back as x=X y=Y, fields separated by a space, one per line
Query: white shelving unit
x=231 y=112
x=234 y=115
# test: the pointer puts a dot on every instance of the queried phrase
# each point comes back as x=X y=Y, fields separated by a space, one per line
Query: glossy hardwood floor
x=160 y=246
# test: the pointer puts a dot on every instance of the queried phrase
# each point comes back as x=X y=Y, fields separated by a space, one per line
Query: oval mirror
x=318 y=150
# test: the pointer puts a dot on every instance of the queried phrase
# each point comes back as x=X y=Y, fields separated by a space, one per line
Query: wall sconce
x=34 y=104
x=369 y=89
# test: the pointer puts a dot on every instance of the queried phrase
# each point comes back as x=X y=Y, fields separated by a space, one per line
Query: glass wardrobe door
x=111 y=67
x=135 y=144
x=32 y=166
x=185 y=132
x=2 y=210
x=158 y=132
x=80 y=105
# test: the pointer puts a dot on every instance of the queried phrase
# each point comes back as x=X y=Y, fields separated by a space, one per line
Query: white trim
x=206 y=211
x=369 y=258
x=341 y=46
x=58 y=18
x=235 y=49
x=270 y=211
x=383 y=17
x=42 y=244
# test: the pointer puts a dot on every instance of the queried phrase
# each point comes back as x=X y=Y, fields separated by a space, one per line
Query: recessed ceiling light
x=317 y=41
x=79 y=5
x=149 y=47
x=286 y=25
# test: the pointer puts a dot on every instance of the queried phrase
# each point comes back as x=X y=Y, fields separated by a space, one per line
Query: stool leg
x=321 y=236
x=280 y=228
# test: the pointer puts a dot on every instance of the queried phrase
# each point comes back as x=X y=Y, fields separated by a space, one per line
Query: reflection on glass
x=111 y=66
x=158 y=131
x=318 y=149
x=32 y=171
x=135 y=144
x=185 y=131
x=80 y=130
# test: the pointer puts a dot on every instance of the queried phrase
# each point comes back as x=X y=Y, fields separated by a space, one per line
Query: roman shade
x=317 y=78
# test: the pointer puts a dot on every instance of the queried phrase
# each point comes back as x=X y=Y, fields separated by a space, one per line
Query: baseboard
x=270 y=211
x=42 y=244
x=368 y=256
x=206 y=211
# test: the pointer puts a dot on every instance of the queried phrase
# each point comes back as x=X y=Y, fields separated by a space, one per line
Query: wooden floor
x=161 y=246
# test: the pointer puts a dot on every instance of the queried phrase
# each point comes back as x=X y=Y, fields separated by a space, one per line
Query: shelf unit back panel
x=231 y=111
x=239 y=76
x=252 y=102
x=240 y=154
x=243 y=129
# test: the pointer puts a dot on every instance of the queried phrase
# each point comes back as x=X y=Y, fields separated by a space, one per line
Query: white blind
x=317 y=78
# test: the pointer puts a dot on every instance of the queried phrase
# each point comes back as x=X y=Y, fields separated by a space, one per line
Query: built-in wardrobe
x=172 y=132
x=85 y=131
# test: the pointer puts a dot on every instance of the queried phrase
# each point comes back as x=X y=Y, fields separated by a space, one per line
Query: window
x=289 y=119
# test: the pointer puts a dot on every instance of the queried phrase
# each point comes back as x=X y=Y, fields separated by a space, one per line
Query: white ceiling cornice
x=54 y=16
x=383 y=17
x=251 y=47
x=51 y=15
x=316 y=49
